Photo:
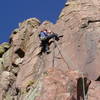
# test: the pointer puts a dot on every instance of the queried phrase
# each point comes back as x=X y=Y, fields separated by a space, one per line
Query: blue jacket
x=43 y=35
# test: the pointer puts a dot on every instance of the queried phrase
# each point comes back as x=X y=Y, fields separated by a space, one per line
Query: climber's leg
x=53 y=36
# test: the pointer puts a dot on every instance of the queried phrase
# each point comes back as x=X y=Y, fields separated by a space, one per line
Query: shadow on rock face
x=20 y=53
x=98 y=79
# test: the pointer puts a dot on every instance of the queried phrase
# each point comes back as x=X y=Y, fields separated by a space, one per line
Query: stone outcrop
x=3 y=48
x=1 y=65
x=69 y=72
x=80 y=22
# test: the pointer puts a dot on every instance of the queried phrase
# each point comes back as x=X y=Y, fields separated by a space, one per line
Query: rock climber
x=45 y=36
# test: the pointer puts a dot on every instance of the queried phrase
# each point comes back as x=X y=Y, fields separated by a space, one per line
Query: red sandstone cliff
x=69 y=71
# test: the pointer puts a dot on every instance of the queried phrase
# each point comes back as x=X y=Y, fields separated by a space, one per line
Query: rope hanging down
x=53 y=61
x=55 y=45
x=83 y=81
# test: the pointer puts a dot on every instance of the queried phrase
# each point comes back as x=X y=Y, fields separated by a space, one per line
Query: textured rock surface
x=1 y=65
x=94 y=91
x=69 y=71
x=3 y=48
x=79 y=22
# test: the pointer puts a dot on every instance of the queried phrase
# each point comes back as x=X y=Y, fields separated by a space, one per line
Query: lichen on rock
x=3 y=48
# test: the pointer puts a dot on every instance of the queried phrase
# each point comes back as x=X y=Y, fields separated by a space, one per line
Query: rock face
x=80 y=20
x=69 y=71
x=3 y=48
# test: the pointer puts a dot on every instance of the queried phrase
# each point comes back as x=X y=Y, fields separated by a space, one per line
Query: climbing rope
x=43 y=59
x=53 y=64
x=61 y=55
x=83 y=83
